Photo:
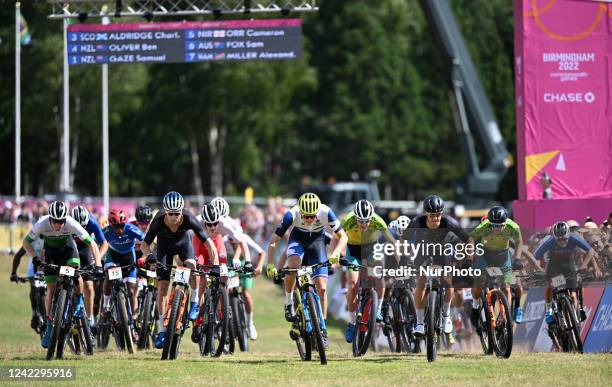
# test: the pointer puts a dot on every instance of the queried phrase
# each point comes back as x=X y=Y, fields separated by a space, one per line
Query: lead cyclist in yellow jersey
x=363 y=228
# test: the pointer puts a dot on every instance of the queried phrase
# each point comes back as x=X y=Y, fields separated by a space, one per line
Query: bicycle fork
x=322 y=324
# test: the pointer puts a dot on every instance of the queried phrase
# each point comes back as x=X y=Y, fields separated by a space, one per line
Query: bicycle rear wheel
x=124 y=325
x=502 y=330
x=573 y=327
x=313 y=312
x=58 y=319
x=430 y=320
x=145 y=322
x=238 y=325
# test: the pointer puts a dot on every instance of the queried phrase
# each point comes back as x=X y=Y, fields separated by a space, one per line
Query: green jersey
x=494 y=240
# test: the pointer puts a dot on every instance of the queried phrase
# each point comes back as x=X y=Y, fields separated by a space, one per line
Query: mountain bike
x=367 y=304
x=38 y=323
x=147 y=310
x=117 y=320
x=399 y=317
x=494 y=326
x=565 y=331
x=62 y=309
x=210 y=329
x=238 y=328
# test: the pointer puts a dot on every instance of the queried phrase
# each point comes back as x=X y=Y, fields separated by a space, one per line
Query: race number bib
x=558 y=281
x=467 y=294
x=67 y=271
x=151 y=274
x=223 y=270
x=40 y=284
x=181 y=275
x=114 y=273
x=233 y=282
x=494 y=272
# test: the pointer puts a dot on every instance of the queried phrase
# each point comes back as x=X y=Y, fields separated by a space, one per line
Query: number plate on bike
x=558 y=281
x=233 y=282
x=181 y=275
x=494 y=272
x=304 y=271
x=151 y=274
x=223 y=270
x=40 y=284
x=114 y=273
x=67 y=271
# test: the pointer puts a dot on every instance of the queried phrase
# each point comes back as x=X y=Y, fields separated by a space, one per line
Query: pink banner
x=563 y=62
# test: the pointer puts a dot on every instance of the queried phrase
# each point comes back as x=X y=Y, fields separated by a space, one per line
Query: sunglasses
x=118 y=225
x=434 y=214
x=145 y=223
x=56 y=221
x=497 y=226
x=308 y=217
x=214 y=224
x=363 y=221
x=562 y=239
x=173 y=213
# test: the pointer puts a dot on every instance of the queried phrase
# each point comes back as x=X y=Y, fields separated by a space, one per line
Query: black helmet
x=561 y=230
x=497 y=215
x=210 y=214
x=144 y=214
x=433 y=204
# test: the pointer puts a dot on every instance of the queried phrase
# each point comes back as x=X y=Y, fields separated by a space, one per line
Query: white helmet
x=173 y=202
x=363 y=210
x=221 y=206
x=210 y=213
x=81 y=215
x=400 y=224
x=58 y=210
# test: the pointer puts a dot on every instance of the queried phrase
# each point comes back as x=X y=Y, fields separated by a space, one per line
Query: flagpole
x=65 y=181
x=17 y=104
x=105 y=179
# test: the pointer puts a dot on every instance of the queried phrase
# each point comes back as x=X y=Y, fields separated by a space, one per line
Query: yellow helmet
x=309 y=203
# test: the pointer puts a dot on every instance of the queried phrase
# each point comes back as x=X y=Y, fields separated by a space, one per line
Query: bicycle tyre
x=145 y=323
x=177 y=298
x=574 y=331
x=430 y=321
x=238 y=324
x=220 y=327
x=124 y=323
x=502 y=334
x=85 y=336
x=58 y=317
x=409 y=310
x=303 y=342
x=316 y=328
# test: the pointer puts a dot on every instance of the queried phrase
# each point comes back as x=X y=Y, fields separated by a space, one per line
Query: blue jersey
x=125 y=243
x=325 y=217
x=555 y=251
x=92 y=228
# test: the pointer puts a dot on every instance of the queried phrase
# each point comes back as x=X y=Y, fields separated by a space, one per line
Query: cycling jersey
x=293 y=217
x=44 y=230
x=125 y=242
x=94 y=228
x=561 y=258
x=357 y=236
x=165 y=236
x=204 y=256
x=419 y=233
x=494 y=240
x=249 y=241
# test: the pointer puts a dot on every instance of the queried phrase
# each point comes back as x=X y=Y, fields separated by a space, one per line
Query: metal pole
x=17 y=104
x=105 y=182
x=65 y=185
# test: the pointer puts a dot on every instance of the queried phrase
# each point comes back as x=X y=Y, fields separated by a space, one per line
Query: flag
x=24 y=33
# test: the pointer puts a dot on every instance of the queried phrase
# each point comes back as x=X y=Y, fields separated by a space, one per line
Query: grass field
x=273 y=359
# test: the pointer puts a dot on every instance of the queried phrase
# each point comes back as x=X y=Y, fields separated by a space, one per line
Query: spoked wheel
x=145 y=322
x=573 y=331
x=171 y=331
x=298 y=331
x=85 y=337
x=365 y=323
x=58 y=319
x=430 y=321
x=219 y=322
x=313 y=313
x=502 y=326
x=124 y=324
x=239 y=324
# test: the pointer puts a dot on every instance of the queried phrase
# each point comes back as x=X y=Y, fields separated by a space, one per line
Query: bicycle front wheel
x=365 y=323
x=238 y=324
x=430 y=320
x=171 y=331
x=573 y=327
x=313 y=312
x=124 y=324
x=301 y=337
x=502 y=326
x=145 y=322
x=58 y=320
x=219 y=322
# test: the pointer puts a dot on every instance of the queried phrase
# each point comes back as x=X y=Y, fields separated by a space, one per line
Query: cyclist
x=363 y=228
x=247 y=282
x=57 y=230
x=495 y=233
x=122 y=237
x=227 y=226
x=307 y=247
x=432 y=228
x=81 y=215
x=560 y=247
x=171 y=226
x=31 y=273
x=143 y=215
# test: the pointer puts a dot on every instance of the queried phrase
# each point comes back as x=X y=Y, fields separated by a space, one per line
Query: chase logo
x=588 y=97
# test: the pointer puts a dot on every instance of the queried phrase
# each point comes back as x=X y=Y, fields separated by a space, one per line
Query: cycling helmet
x=364 y=210
x=497 y=215
x=309 y=203
x=210 y=214
x=144 y=214
x=81 y=215
x=173 y=202
x=433 y=204
x=402 y=222
x=221 y=206
x=561 y=230
x=116 y=217
x=58 y=210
